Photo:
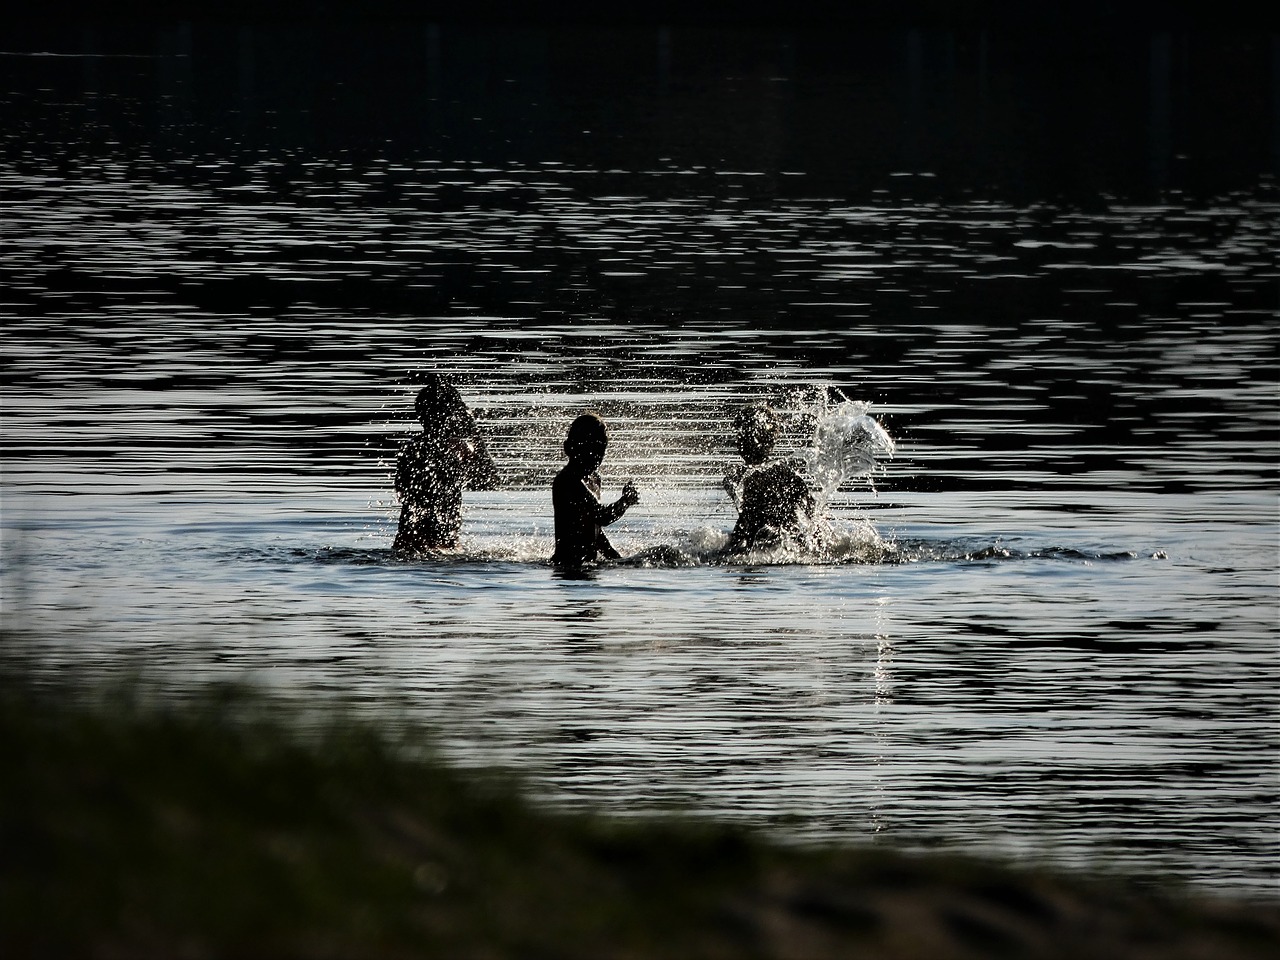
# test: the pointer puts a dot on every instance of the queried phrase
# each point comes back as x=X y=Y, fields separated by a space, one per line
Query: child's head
x=439 y=404
x=587 y=440
x=757 y=432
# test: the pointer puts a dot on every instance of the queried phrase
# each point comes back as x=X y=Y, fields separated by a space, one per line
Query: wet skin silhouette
x=575 y=495
x=772 y=498
x=433 y=467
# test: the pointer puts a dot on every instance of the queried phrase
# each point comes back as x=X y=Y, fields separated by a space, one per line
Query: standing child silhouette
x=772 y=497
x=575 y=496
x=433 y=468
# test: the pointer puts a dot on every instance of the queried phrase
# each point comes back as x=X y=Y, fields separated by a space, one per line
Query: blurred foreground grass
x=236 y=825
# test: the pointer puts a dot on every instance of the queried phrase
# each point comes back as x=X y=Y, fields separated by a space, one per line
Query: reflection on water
x=1148 y=339
x=1048 y=628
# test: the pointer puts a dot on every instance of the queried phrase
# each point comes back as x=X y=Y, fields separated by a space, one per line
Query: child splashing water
x=782 y=501
x=772 y=497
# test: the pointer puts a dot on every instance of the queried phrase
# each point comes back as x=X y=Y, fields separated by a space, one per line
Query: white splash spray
x=847 y=444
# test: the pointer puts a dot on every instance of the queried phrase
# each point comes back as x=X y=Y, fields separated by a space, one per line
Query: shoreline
x=236 y=824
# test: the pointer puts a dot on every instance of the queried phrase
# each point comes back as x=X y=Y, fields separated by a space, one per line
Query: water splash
x=847 y=444
x=837 y=440
x=829 y=542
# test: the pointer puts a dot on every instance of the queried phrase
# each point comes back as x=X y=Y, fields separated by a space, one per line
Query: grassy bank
x=238 y=827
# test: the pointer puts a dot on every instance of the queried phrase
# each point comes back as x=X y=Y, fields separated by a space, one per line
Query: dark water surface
x=1048 y=629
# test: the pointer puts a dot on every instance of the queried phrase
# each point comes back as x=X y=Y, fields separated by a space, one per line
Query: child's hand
x=630 y=495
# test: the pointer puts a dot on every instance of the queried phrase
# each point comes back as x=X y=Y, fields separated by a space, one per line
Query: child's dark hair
x=438 y=399
x=586 y=431
x=758 y=425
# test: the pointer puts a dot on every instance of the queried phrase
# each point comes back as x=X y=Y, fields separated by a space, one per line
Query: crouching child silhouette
x=772 y=497
x=434 y=466
x=575 y=496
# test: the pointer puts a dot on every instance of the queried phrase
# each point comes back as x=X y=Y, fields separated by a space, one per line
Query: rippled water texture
x=1047 y=626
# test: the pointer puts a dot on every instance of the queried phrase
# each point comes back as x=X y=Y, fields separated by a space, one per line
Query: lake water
x=1047 y=627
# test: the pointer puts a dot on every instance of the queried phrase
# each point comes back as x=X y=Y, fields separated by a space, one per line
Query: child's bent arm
x=608 y=514
x=482 y=472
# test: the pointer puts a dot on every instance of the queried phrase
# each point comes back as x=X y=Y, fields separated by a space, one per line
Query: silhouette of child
x=433 y=467
x=772 y=498
x=575 y=496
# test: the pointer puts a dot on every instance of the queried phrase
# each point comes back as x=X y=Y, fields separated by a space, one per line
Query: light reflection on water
x=1066 y=649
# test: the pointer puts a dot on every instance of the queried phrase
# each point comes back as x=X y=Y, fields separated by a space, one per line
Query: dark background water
x=1070 y=101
